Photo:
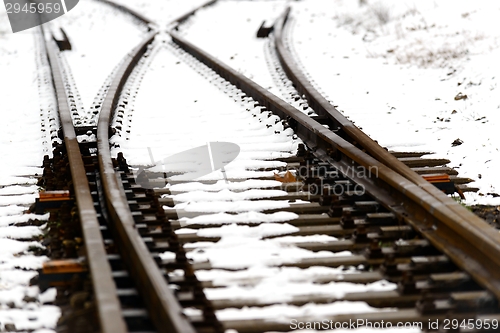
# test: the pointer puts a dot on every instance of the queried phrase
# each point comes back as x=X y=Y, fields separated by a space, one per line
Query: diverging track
x=449 y=226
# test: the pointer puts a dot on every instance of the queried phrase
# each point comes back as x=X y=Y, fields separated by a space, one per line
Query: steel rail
x=184 y=17
x=475 y=248
x=477 y=230
x=105 y=293
x=163 y=307
x=148 y=21
x=130 y=11
x=319 y=103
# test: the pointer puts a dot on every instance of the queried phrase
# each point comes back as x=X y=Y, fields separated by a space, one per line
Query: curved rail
x=184 y=17
x=105 y=293
x=475 y=230
x=130 y=11
x=163 y=307
x=473 y=246
x=319 y=103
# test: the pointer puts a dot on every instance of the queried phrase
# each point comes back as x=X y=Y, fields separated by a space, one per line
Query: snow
x=28 y=122
x=167 y=255
x=14 y=295
x=226 y=195
x=24 y=199
x=31 y=319
x=304 y=239
x=11 y=210
x=232 y=252
x=253 y=57
x=282 y=290
x=13 y=219
x=221 y=277
x=149 y=117
x=208 y=30
x=25 y=262
x=20 y=232
x=24 y=138
x=263 y=230
x=233 y=206
x=13 y=277
x=285 y=313
x=10 y=190
x=7 y=180
x=90 y=31
x=220 y=185
x=162 y=12
x=251 y=217
x=395 y=68
x=48 y=295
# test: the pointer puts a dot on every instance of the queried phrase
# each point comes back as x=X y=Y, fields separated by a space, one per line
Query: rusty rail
x=469 y=241
x=164 y=309
x=105 y=293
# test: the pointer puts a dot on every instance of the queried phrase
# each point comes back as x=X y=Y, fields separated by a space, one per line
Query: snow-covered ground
x=398 y=69
x=24 y=107
x=167 y=111
x=238 y=46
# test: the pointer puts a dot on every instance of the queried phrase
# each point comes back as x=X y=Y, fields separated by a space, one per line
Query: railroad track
x=343 y=232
